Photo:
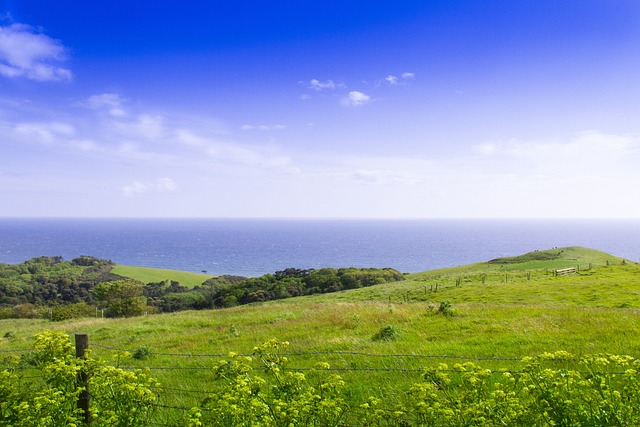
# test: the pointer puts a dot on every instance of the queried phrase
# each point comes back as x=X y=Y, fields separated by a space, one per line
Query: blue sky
x=350 y=109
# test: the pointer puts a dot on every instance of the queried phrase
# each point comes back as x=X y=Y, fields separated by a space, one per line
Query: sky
x=333 y=109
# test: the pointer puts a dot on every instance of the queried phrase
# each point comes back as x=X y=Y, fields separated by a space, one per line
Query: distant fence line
x=431 y=284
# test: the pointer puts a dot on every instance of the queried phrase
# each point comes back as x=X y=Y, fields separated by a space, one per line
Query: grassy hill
x=492 y=292
x=496 y=311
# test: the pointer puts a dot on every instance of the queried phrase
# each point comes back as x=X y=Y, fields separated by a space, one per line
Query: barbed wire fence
x=177 y=397
x=181 y=399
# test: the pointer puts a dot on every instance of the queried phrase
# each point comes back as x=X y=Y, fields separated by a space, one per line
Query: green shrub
x=386 y=333
x=119 y=398
x=445 y=308
x=141 y=353
x=280 y=398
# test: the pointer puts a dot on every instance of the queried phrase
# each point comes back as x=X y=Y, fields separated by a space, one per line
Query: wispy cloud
x=486 y=148
x=232 y=153
x=589 y=153
x=317 y=85
x=395 y=80
x=44 y=132
x=144 y=140
x=110 y=101
x=161 y=185
x=26 y=52
x=262 y=127
x=144 y=126
x=586 y=147
x=387 y=177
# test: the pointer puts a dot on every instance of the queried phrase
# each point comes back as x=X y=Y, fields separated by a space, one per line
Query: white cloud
x=587 y=175
x=166 y=185
x=84 y=144
x=388 y=177
x=486 y=148
x=120 y=140
x=229 y=152
x=317 y=85
x=560 y=177
x=46 y=133
x=358 y=99
x=24 y=52
x=111 y=101
x=144 y=126
x=136 y=187
x=262 y=127
x=161 y=185
x=587 y=153
x=395 y=80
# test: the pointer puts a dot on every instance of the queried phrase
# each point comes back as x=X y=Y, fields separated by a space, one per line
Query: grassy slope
x=147 y=275
x=510 y=315
x=522 y=280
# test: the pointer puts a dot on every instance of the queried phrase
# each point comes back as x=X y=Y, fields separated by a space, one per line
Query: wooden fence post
x=82 y=344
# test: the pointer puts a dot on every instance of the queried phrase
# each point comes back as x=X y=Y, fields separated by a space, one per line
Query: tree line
x=50 y=287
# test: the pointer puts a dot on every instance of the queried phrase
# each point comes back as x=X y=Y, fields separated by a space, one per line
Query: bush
x=72 y=311
x=446 y=309
x=120 y=398
x=142 y=353
x=386 y=333
x=280 y=398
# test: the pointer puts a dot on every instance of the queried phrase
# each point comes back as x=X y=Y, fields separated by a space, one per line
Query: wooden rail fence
x=565 y=271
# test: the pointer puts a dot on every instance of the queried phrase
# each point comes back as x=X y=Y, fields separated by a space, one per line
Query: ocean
x=251 y=247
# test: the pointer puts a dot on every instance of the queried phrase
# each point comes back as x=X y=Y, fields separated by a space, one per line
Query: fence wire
x=326 y=353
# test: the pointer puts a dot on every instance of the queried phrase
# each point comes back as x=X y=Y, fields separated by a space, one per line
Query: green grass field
x=147 y=275
x=500 y=310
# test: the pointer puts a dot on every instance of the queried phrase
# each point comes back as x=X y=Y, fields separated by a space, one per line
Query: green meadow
x=149 y=275
x=380 y=338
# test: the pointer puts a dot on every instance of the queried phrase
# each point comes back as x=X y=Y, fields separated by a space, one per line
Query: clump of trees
x=122 y=298
x=40 y=286
x=293 y=282
x=50 y=287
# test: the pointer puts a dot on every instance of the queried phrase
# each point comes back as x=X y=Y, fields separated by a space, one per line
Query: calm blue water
x=256 y=247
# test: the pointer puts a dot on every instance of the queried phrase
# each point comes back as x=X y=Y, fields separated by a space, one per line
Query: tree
x=122 y=298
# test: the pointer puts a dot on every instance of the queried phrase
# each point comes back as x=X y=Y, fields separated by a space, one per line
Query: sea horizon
x=257 y=246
